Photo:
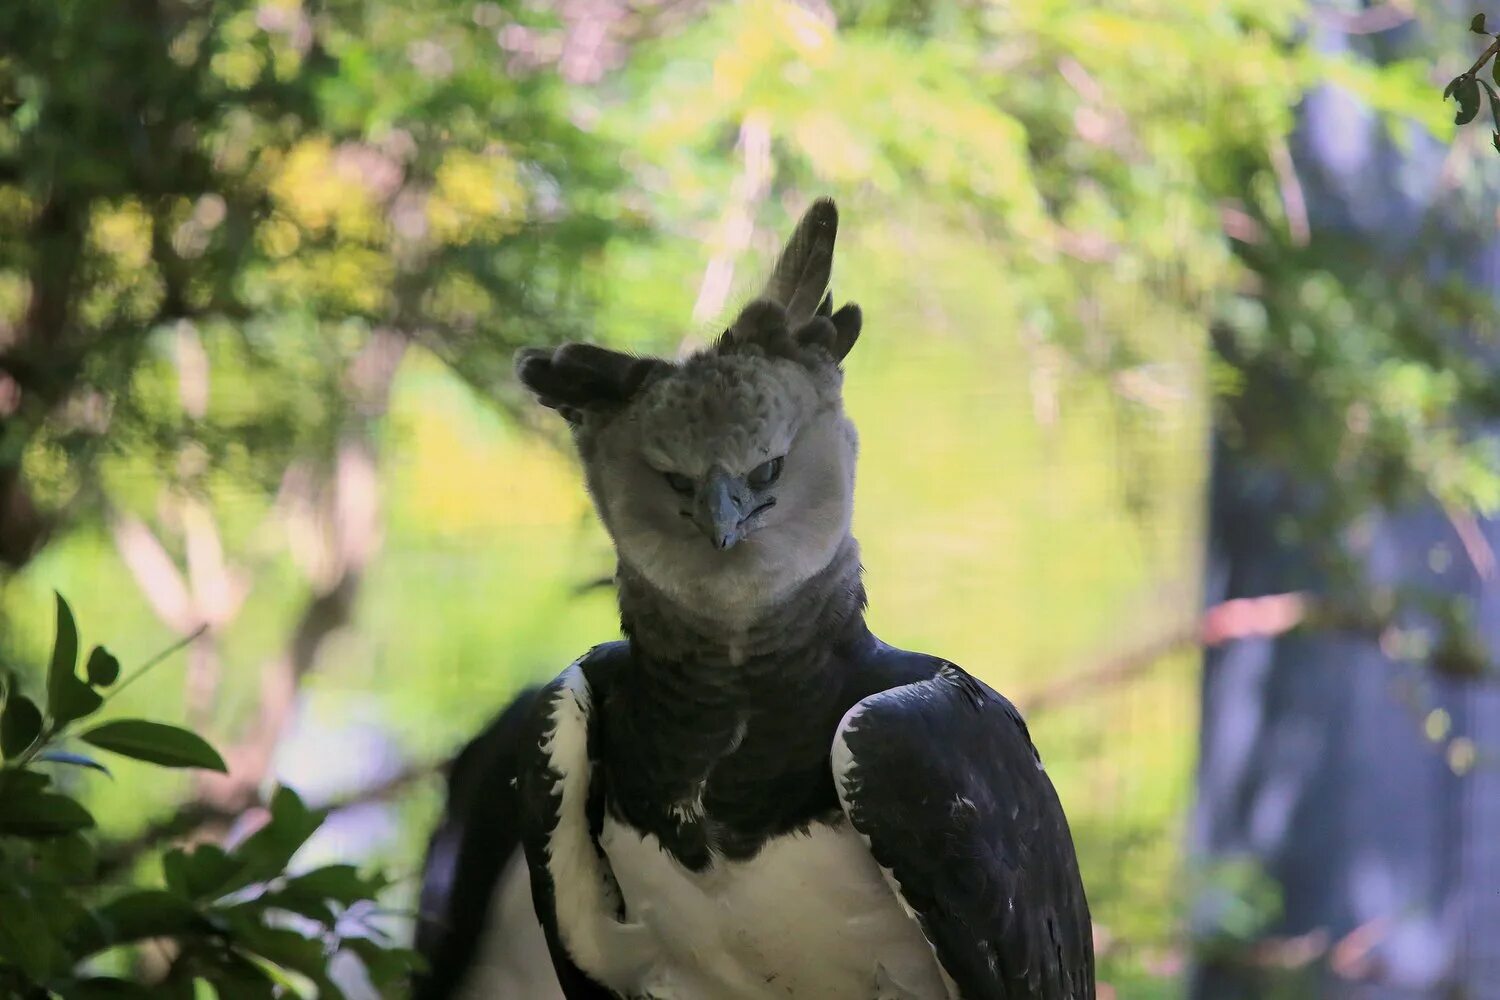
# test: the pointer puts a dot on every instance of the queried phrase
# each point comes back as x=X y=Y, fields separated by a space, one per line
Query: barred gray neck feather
x=820 y=610
x=714 y=744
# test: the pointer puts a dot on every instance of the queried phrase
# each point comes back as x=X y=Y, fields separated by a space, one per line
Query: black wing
x=940 y=776
x=479 y=833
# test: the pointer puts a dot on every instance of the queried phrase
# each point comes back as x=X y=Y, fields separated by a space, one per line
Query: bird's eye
x=765 y=474
x=682 y=484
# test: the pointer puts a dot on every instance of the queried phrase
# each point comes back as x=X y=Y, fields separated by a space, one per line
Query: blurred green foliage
x=232 y=921
x=210 y=210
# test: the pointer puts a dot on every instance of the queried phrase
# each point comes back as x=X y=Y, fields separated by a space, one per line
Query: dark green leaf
x=73 y=700
x=136 y=915
x=1494 y=101
x=69 y=858
x=1477 y=25
x=235 y=977
x=282 y=946
x=102 y=669
x=155 y=743
x=204 y=873
x=267 y=851
x=1495 y=139
x=105 y=988
x=61 y=911
x=340 y=883
x=1467 y=93
x=19 y=725
x=64 y=655
x=15 y=783
x=76 y=759
x=26 y=939
x=386 y=966
x=302 y=906
x=43 y=814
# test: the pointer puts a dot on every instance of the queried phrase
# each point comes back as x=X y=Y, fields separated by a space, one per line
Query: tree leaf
x=69 y=858
x=386 y=966
x=106 y=988
x=267 y=851
x=139 y=914
x=155 y=743
x=74 y=700
x=1496 y=141
x=14 y=784
x=26 y=940
x=43 y=814
x=1494 y=101
x=204 y=873
x=1477 y=25
x=340 y=883
x=76 y=759
x=1467 y=93
x=19 y=725
x=64 y=654
x=102 y=669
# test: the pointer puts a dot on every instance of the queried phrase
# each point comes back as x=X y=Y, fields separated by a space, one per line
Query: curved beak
x=720 y=508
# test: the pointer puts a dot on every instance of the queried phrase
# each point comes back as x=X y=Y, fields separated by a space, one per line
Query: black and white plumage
x=751 y=796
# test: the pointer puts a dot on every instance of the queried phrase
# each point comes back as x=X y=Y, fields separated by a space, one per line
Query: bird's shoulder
x=910 y=692
x=941 y=778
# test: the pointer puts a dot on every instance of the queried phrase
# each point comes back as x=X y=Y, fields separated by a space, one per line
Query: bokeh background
x=1179 y=337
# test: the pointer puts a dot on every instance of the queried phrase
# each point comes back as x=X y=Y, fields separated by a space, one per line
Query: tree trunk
x=1366 y=788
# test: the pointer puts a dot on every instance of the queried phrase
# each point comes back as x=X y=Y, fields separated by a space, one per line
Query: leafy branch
x=1465 y=87
x=234 y=917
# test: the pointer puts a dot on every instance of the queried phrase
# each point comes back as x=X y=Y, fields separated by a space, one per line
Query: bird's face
x=728 y=482
x=726 y=479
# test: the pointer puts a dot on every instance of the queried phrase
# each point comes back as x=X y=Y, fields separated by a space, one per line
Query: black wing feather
x=478 y=834
x=942 y=779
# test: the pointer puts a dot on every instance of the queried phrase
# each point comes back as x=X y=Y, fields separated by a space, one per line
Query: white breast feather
x=584 y=900
x=807 y=917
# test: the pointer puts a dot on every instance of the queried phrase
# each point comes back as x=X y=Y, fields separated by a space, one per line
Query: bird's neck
x=823 y=612
x=716 y=737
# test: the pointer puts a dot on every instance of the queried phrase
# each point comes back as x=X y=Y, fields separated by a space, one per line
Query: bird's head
x=727 y=478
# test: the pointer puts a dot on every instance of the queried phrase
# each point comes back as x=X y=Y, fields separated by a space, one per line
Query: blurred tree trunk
x=1365 y=785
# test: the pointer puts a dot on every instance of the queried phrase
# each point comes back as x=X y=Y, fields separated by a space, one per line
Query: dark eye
x=765 y=474
x=682 y=484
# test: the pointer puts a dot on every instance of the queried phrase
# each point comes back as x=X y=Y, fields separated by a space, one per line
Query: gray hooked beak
x=721 y=508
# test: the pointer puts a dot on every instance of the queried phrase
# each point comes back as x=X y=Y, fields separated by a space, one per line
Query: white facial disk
x=729 y=482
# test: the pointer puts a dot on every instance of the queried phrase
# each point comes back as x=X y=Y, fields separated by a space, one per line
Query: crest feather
x=795 y=309
x=802 y=270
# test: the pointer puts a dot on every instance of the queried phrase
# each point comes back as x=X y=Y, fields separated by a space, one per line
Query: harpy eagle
x=750 y=796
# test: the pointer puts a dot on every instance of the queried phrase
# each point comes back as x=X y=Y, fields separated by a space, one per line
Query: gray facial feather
x=771 y=387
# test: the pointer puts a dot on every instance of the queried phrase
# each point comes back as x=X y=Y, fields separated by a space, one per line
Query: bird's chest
x=810 y=915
